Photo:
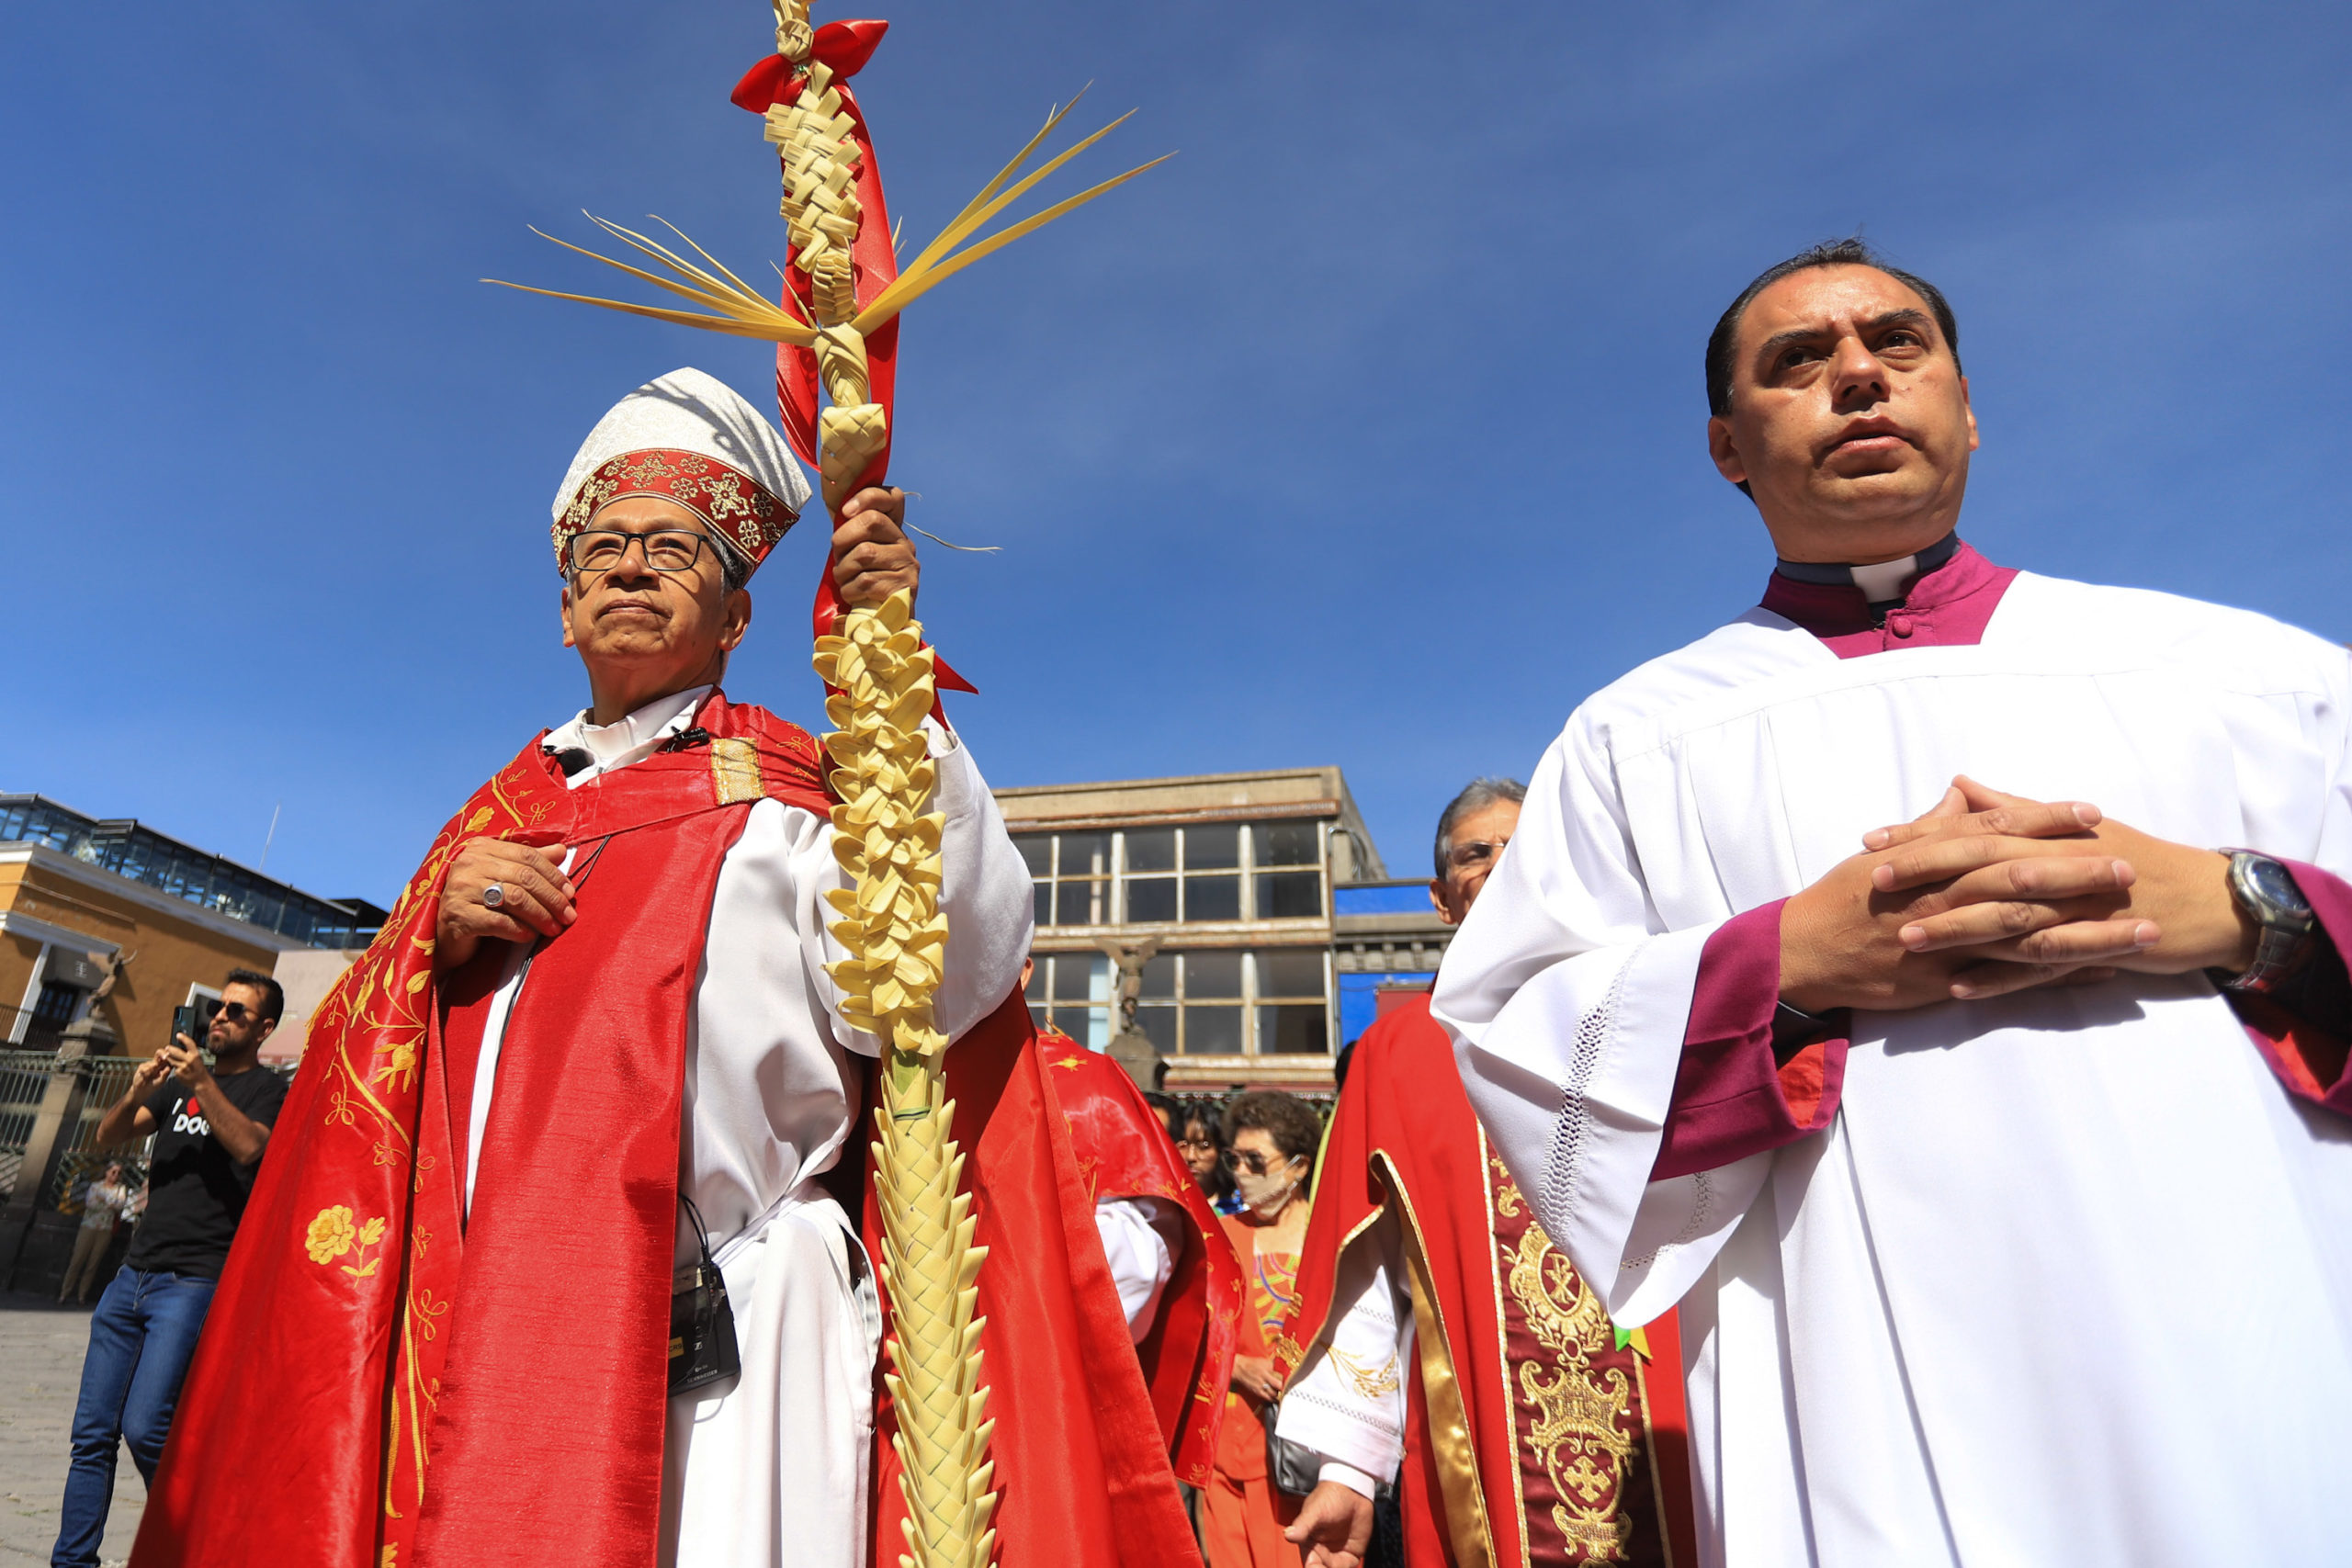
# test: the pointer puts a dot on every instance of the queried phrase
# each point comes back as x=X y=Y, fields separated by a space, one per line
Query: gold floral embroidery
x=725 y=498
x=331 y=1234
x=1369 y=1384
x=1579 y=1432
x=398 y=1059
x=1507 y=1198
x=720 y=495
x=335 y=1232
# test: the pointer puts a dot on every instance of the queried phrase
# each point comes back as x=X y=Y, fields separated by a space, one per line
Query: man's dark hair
x=1171 y=1111
x=1289 y=1121
x=1476 y=796
x=1851 y=250
x=1200 y=1111
x=273 y=995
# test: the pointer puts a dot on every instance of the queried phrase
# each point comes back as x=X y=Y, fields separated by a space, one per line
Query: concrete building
x=77 y=893
x=1272 y=921
x=1385 y=942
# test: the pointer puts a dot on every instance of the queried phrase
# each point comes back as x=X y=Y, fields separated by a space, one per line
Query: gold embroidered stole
x=1579 y=1411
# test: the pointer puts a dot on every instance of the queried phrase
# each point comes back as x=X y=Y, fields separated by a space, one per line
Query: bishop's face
x=1850 y=419
x=644 y=633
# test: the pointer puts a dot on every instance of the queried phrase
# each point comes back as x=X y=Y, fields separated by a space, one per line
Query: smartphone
x=194 y=1020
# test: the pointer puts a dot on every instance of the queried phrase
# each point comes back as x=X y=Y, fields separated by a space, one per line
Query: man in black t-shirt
x=210 y=1126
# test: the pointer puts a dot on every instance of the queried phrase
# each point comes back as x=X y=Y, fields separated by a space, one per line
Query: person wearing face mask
x=1271 y=1140
x=1466 y=1320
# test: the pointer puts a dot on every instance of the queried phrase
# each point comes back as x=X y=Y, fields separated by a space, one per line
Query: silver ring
x=494 y=895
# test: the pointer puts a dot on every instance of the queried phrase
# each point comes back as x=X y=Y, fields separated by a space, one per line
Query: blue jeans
x=143 y=1336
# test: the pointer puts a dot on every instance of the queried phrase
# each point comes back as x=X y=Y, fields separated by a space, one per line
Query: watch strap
x=2281 y=944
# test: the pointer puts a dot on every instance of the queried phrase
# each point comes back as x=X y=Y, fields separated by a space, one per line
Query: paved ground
x=40 y=1367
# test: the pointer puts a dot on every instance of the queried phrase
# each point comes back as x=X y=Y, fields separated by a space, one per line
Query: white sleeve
x=1346 y=1402
x=1569 y=1006
x=1136 y=1240
x=984 y=891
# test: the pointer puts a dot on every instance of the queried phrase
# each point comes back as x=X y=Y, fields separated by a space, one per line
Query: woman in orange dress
x=1271 y=1141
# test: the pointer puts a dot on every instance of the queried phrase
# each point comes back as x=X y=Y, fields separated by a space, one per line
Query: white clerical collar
x=630 y=739
x=1882 y=583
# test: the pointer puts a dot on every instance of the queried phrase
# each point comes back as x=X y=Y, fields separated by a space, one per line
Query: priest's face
x=645 y=634
x=1850 y=420
x=1471 y=852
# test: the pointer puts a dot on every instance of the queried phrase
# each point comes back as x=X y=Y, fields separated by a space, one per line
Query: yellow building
x=78 y=894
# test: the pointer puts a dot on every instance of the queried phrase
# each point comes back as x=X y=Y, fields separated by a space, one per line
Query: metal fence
x=104 y=1079
x=101 y=1081
x=24 y=1078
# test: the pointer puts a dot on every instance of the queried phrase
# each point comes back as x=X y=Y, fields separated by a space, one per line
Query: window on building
x=1292 y=1018
x=1287 y=893
x=1082 y=885
x=1213 y=872
x=1038 y=855
x=1155 y=1012
x=1203 y=1003
x=1148 y=885
x=1072 y=991
x=56 y=1005
x=1207 y=873
x=1221 y=1002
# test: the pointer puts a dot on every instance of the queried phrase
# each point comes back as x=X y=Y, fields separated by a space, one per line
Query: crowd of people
x=1808 y=1153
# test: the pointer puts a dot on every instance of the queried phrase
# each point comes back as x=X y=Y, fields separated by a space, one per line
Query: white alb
x=2068 y=1282
x=772 y=1469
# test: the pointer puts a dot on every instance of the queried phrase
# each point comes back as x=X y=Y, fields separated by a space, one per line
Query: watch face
x=2275 y=888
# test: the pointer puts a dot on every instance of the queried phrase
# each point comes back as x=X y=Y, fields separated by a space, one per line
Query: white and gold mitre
x=690 y=438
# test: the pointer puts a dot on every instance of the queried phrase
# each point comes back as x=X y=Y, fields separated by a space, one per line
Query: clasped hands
x=1990 y=893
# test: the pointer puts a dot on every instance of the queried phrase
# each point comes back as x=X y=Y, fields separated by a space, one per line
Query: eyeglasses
x=1476 y=853
x=1196 y=1142
x=667 y=550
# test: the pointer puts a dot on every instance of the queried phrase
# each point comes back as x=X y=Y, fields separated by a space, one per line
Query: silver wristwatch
x=2266 y=890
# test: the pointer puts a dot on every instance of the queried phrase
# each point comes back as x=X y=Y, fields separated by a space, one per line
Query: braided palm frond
x=941 y=259
x=890 y=926
x=735 y=306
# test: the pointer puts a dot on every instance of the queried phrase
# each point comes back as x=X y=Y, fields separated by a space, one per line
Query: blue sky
x=1368 y=431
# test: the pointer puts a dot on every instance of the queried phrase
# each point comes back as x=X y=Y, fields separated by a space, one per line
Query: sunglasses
x=233 y=1011
x=1248 y=1160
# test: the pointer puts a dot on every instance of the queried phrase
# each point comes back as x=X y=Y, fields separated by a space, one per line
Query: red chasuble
x=420 y=1381
x=1532 y=1437
x=434 y=1392
x=1123 y=1151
